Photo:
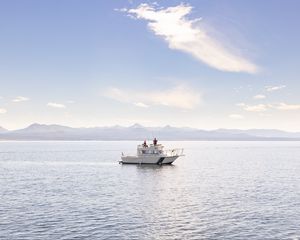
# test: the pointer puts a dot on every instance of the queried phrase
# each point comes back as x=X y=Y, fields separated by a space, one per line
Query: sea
x=218 y=190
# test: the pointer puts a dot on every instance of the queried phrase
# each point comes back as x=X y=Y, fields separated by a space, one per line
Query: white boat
x=153 y=154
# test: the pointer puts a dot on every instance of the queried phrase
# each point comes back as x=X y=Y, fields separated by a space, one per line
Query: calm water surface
x=219 y=190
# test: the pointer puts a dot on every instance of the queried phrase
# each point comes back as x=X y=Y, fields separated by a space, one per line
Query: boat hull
x=159 y=160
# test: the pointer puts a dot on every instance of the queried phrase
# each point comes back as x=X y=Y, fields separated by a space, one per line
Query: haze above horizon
x=202 y=64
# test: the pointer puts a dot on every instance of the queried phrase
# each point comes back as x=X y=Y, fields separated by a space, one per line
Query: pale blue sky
x=96 y=63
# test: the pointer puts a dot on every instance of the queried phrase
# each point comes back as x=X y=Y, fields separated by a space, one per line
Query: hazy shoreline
x=137 y=132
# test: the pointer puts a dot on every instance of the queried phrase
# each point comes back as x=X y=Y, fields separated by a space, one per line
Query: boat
x=152 y=154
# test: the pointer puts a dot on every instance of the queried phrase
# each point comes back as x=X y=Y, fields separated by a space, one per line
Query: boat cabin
x=151 y=149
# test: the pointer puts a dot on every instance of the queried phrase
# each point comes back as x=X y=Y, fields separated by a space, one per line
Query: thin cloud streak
x=254 y=108
x=140 y=104
x=264 y=107
x=56 y=105
x=178 y=97
x=182 y=34
x=259 y=96
x=274 y=88
x=20 y=99
x=284 y=106
x=236 y=116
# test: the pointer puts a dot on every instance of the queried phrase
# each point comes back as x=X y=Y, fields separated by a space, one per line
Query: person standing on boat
x=154 y=141
x=145 y=144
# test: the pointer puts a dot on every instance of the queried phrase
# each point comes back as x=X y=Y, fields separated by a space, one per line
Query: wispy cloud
x=236 y=116
x=259 y=96
x=265 y=107
x=274 y=88
x=179 y=97
x=254 y=108
x=182 y=34
x=140 y=104
x=20 y=99
x=285 y=106
x=2 y=110
x=56 y=105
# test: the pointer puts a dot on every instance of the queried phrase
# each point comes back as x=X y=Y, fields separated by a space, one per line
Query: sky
x=205 y=64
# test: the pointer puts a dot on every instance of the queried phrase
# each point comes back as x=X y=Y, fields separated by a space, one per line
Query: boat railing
x=149 y=152
x=174 y=152
x=128 y=154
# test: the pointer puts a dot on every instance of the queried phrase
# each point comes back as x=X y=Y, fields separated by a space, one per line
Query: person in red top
x=154 y=141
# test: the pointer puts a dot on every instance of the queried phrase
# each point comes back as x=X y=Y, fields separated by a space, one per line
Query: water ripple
x=220 y=190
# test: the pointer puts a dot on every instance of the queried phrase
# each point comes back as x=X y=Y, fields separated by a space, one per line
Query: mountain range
x=138 y=132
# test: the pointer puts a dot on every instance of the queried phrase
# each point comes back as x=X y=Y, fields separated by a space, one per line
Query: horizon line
x=132 y=125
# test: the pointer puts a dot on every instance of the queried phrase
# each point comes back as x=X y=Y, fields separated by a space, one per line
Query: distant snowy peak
x=136 y=125
x=36 y=127
x=3 y=130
